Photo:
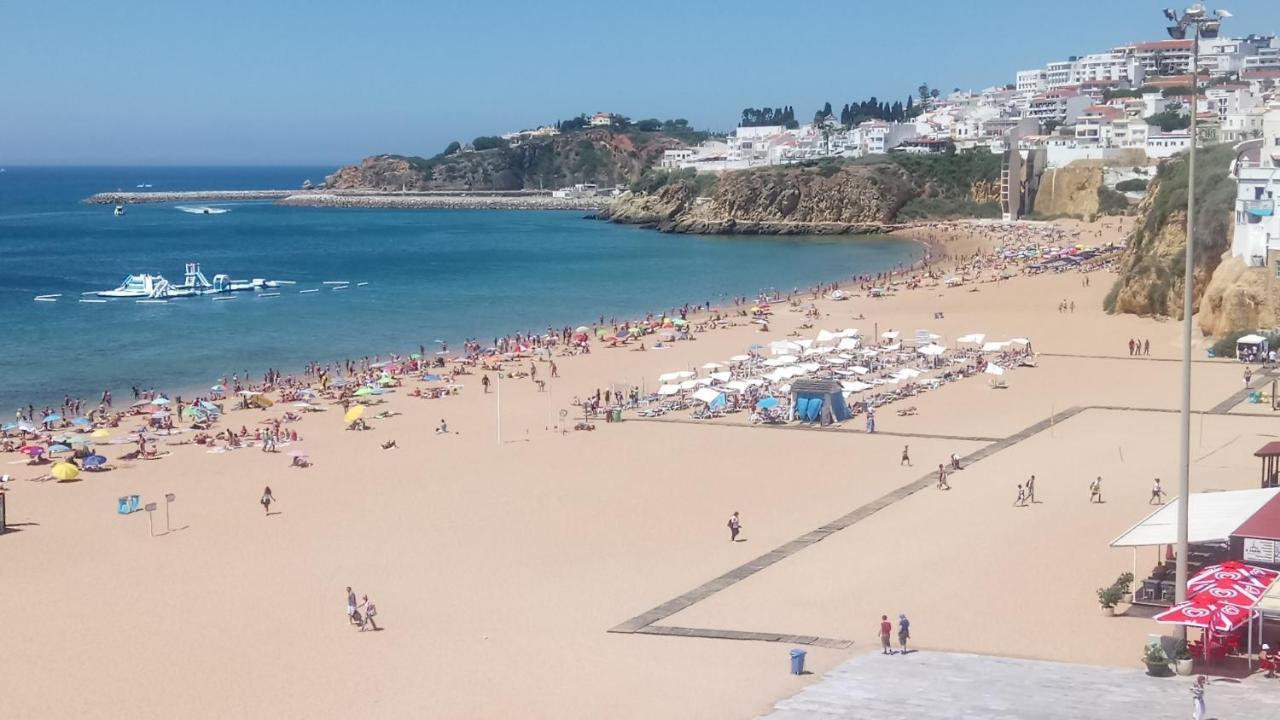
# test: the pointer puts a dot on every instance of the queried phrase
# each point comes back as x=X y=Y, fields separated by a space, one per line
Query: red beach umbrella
x=31 y=450
x=1235 y=570
x=1204 y=611
x=1245 y=596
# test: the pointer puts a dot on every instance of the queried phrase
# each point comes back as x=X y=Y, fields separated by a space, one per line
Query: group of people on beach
x=362 y=614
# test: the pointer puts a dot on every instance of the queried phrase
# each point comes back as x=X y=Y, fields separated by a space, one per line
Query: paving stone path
x=951 y=686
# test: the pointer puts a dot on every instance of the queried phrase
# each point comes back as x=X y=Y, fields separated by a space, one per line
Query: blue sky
x=284 y=82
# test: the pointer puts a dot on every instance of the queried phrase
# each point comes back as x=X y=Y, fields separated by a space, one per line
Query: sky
x=279 y=82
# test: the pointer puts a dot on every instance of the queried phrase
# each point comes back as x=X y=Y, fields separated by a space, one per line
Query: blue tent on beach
x=820 y=401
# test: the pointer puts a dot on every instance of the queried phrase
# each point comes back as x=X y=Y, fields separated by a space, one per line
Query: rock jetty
x=133 y=198
x=418 y=201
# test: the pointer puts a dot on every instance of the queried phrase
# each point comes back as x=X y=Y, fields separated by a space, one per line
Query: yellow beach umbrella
x=353 y=414
x=64 y=471
x=100 y=433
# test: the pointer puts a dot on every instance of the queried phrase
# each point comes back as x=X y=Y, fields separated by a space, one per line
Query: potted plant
x=1182 y=659
x=1109 y=597
x=1156 y=660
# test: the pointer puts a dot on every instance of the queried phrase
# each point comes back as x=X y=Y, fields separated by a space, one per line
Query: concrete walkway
x=945 y=686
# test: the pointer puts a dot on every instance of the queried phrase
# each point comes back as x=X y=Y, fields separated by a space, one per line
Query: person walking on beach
x=1248 y=375
x=351 y=606
x=1095 y=490
x=1132 y=343
x=370 y=610
x=886 y=635
x=871 y=421
x=1146 y=346
x=735 y=526
x=1031 y=490
x=904 y=632
x=555 y=372
x=1197 y=698
x=1157 y=494
x=484 y=383
x=267 y=499
x=1022 y=497
x=906 y=456
x=942 y=478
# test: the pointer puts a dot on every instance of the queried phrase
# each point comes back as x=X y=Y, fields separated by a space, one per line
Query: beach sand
x=499 y=567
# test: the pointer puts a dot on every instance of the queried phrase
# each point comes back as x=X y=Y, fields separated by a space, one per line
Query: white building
x=1256 y=169
x=1114 y=66
x=751 y=144
x=601 y=119
x=1163 y=145
x=1032 y=81
x=1061 y=106
x=677 y=157
x=1060 y=73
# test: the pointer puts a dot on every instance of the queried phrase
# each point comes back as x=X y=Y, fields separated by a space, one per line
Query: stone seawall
x=133 y=198
x=443 y=201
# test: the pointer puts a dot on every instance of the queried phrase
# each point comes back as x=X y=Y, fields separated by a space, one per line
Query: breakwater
x=133 y=198
x=469 y=201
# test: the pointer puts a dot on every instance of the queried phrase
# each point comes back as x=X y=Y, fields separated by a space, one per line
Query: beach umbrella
x=26 y=426
x=32 y=450
x=668 y=389
x=386 y=381
x=217 y=389
x=81 y=421
x=740 y=358
x=993 y=369
x=94 y=461
x=52 y=417
x=353 y=414
x=1232 y=570
x=160 y=401
x=364 y=391
x=64 y=471
x=767 y=403
x=261 y=401
x=8 y=426
x=206 y=405
x=59 y=448
x=100 y=433
x=77 y=440
x=1203 y=611
x=140 y=403
x=1245 y=596
x=192 y=411
x=160 y=415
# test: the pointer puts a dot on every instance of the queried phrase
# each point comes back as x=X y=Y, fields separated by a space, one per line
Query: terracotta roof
x=1265 y=523
x=1105 y=111
x=1260 y=74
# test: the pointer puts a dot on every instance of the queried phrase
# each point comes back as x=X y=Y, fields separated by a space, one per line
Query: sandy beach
x=502 y=553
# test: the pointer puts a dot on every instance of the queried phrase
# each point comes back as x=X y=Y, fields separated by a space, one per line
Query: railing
x=1258 y=207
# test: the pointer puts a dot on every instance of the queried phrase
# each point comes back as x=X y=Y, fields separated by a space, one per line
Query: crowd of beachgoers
x=872 y=371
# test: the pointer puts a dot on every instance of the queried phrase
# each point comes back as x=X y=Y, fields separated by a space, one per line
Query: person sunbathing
x=388 y=445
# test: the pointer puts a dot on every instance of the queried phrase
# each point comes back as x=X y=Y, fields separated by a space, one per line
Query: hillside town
x=1126 y=102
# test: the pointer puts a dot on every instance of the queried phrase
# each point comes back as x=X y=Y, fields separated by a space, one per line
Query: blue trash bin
x=797 y=662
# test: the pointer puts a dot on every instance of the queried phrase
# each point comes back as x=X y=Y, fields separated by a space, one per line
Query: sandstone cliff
x=601 y=155
x=1239 y=297
x=828 y=197
x=1151 y=269
x=1070 y=190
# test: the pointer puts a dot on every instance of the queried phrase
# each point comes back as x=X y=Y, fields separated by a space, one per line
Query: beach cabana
x=713 y=398
x=814 y=400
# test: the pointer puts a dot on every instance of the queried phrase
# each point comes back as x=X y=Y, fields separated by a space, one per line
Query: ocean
x=432 y=275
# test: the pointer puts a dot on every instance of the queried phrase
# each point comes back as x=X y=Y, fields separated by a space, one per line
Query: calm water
x=444 y=274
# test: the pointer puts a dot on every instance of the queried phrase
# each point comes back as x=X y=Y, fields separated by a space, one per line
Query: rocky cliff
x=1070 y=190
x=1151 y=269
x=602 y=156
x=1239 y=297
x=826 y=197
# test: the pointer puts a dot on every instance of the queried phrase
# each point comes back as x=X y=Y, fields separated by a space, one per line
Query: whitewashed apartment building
x=1257 y=171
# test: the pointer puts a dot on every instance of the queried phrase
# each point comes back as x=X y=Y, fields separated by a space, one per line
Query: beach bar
x=1215 y=520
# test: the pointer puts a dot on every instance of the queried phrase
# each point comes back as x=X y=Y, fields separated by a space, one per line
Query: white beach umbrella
x=836 y=361
x=848 y=344
x=783 y=347
x=893 y=347
x=1020 y=341
x=994 y=346
x=721 y=376
x=860 y=370
x=889 y=334
x=708 y=395
x=993 y=369
x=712 y=366
x=827 y=336
x=668 y=389
x=853 y=386
x=805 y=343
x=972 y=339
x=688 y=384
x=810 y=367
x=932 y=350
x=740 y=358
x=737 y=385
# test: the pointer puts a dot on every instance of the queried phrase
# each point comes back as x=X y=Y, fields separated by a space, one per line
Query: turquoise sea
x=431 y=274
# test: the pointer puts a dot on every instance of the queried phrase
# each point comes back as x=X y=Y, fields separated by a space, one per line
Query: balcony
x=1258 y=208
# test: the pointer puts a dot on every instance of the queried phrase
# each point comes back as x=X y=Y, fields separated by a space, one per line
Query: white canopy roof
x=721 y=376
x=707 y=395
x=853 y=386
x=668 y=389
x=1212 y=516
x=975 y=338
x=847 y=344
x=678 y=375
x=889 y=334
x=740 y=358
x=994 y=346
x=826 y=336
x=1250 y=340
x=932 y=350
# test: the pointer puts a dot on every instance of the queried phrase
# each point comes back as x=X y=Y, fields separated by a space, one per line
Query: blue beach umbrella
x=767 y=403
x=82 y=421
x=210 y=407
x=94 y=461
x=217 y=389
x=8 y=426
x=59 y=448
x=53 y=417
x=26 y=427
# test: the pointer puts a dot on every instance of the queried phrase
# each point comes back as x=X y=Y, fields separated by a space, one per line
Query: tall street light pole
x=1200 y=24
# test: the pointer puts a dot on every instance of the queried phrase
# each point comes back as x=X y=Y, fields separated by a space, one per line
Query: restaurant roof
x=1271 y=449
x=1211 y=516
x=1265 y=523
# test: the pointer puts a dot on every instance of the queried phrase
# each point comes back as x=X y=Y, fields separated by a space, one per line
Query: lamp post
x=1199 y=23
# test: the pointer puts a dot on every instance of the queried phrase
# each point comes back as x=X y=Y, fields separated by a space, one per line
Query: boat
x=152 y=302
x=225 y=297
x=47 y=298
x=119 y=210
x=267 y=295
x=193 y=283
x=361 y=284
x=304 y=292
x=87 y=300
x=336 y=282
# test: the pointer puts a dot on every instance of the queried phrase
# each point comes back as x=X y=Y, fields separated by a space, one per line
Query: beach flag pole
x=499 y=383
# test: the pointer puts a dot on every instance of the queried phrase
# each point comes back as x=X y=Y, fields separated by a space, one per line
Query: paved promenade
x=948 y=686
